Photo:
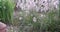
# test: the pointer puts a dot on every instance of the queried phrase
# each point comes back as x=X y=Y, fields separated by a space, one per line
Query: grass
x=49 y=22
x=6 y=11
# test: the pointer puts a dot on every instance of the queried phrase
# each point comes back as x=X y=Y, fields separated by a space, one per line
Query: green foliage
x=6 y=11
x=49 y=22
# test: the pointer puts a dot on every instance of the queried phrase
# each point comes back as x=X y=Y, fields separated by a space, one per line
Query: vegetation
x=49 y=21
x=30 y=21
x=6 y=11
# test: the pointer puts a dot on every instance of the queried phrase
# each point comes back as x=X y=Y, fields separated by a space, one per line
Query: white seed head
x=42 y=15
x=20 y=18
x=34 y=19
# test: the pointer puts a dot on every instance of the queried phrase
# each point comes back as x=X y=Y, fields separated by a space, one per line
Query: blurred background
x=30 y=15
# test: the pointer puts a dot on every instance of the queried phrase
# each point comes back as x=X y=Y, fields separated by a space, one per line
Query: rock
x=2 y=27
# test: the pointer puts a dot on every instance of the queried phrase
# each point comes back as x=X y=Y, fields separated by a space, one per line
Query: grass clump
x=6 y=11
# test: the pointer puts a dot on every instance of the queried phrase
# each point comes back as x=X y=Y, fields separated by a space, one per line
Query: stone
x=2 y=27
